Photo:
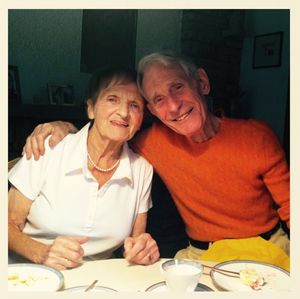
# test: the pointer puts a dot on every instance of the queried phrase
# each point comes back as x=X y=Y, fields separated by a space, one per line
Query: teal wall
x=157 y=30
x=266 y=88
x=46 y=46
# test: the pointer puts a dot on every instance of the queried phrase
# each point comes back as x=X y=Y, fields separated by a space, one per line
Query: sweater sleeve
x=275 y=173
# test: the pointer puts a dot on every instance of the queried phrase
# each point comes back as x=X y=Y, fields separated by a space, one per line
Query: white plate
x=81 y=289
x=161 y=287
x=32 y=277
x=276 y=278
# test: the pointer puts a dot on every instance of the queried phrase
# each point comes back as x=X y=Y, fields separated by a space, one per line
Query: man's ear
x=90 y=109
x=203 y=82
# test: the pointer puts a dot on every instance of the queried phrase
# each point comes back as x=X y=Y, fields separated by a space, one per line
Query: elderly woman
x=90 y=193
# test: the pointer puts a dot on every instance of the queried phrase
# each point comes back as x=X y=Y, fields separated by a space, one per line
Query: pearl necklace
x=102 y=169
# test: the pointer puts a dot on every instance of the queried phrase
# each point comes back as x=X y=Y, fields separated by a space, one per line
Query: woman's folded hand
x=141 y=249
x=65 y=252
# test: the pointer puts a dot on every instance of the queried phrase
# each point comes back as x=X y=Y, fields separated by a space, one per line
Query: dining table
x=120 y=275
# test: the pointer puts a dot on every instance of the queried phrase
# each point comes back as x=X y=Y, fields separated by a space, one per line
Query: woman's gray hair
x=169 y=60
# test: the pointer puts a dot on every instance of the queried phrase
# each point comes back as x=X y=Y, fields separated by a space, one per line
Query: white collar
x=77 y=160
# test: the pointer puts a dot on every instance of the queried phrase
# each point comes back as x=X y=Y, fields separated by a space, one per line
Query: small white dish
x=181 y=275
x=276 y=279
x=162 y=287
x=33 y=277
x=80 y=289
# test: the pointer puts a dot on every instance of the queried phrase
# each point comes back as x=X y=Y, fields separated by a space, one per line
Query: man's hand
x=141 y=250
x=65 y=252
x=35 y=142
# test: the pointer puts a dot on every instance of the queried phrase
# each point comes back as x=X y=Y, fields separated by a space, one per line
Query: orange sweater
x=225 y=187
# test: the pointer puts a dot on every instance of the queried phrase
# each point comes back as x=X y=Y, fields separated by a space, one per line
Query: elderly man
x=228 y=177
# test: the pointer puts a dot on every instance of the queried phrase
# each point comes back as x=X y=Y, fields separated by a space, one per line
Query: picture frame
x=267 y=50
x=61 y=95
x=14 y=89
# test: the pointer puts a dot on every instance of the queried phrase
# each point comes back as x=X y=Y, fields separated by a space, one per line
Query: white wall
x=46 y=46
x=266 y=88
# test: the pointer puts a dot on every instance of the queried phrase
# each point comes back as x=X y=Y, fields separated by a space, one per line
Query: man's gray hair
x=169 y=60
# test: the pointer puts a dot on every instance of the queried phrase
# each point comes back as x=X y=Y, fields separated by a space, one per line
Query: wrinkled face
x=118 y=112
x=176 y=101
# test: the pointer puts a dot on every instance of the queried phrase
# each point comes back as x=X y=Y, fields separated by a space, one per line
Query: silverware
x=91 y=286
x=223 y=271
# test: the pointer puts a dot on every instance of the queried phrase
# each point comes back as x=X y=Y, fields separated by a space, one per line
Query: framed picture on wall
x=14 y=90
x=267 y=50
x=61 y=95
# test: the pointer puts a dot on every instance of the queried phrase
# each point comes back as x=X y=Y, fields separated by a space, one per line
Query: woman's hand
x=65 y=252
x=35 y=141
x=141 y=250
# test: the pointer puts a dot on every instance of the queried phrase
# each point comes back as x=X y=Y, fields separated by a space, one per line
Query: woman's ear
x=203 y=82
x=90 y=109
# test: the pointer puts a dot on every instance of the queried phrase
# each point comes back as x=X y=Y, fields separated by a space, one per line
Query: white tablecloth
x=120 y=275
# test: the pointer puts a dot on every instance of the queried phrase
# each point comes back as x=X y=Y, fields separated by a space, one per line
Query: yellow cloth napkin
x=255 y=249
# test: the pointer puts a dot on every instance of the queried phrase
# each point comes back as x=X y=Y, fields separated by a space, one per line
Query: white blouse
x=67 y=200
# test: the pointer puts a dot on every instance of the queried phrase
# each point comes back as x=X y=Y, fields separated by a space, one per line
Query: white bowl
x=33 y=277
x=181 y=275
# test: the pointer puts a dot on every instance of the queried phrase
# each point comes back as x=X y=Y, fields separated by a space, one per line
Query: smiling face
x=118 y=112
x=176 y=99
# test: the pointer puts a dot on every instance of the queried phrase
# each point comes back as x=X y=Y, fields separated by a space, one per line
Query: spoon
x=91 y=286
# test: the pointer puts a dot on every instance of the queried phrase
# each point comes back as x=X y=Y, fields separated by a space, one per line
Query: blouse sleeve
x=28 y=176
x=145 y=202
